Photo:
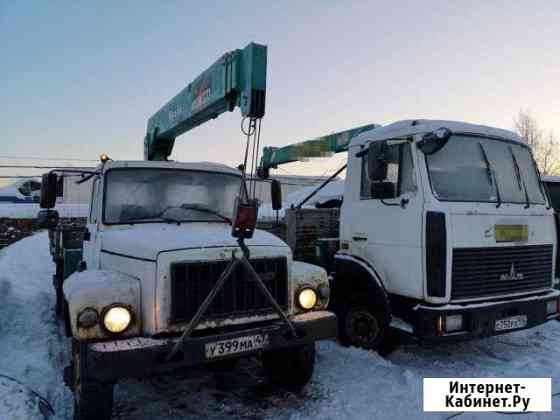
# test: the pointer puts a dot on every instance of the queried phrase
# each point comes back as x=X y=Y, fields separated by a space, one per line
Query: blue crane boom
x=237 y=79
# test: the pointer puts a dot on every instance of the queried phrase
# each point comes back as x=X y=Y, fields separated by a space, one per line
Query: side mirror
x=47 y=219
x=377 y=161
x=48 y=191
x=434 y=141
x=276 y=194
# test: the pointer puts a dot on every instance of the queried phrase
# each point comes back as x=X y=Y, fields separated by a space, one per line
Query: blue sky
x=80 y=78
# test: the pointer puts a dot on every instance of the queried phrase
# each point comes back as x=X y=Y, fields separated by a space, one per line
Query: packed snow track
x=348 y=383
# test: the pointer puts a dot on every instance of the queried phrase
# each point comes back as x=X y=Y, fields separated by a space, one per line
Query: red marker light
x=245 y=219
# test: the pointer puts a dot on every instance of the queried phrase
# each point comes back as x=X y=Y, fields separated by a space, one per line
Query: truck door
x=91 y=256
x=387 y=228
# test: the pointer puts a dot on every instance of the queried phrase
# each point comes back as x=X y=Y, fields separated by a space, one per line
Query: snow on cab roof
x=193 y=166
x=408 y=127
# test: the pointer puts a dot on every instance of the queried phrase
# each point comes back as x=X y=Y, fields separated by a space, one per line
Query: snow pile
x=17 y=402
x=332 y=191
x=32 y=348
x=30 y=210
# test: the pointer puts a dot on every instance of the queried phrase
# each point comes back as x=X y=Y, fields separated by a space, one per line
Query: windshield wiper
x=491 y=174
x=205 y=210
x=520 y=180
x=189 y=207
x=136 y=220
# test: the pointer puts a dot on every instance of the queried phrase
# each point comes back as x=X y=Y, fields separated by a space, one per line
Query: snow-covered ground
x=348 y=383
x=30 y=210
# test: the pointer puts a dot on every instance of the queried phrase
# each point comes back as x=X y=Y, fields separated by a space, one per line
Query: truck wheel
x=361 y=326
x=93 y=400
x=66 y=318
x=59 y=306
x=291 y=367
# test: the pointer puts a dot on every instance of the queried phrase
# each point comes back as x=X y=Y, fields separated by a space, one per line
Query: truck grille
x=495 y=271
x=192 y=282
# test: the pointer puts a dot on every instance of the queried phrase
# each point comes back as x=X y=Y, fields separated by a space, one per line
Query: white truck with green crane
x=170 y=271
x=446 y=232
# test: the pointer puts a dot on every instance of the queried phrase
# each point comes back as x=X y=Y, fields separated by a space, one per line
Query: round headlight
x=117 y=319
x=307 y=298
x=88 y=318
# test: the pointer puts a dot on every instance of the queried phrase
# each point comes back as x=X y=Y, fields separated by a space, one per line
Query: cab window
x=400 y=174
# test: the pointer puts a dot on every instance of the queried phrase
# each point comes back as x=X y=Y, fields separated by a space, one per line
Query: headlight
x=117 y=319
x=307 y=298
x=88 y=318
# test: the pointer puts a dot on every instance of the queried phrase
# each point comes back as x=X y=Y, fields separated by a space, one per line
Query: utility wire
x=18 y=176
x=67 y=159
x=35 y=167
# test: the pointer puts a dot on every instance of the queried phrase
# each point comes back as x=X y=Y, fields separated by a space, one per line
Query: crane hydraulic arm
x=318 y=147
x=238 y=78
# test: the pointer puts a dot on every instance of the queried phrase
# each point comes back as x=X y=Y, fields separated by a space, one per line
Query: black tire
x=66 y=318
x=361 y=325
x=93 y=400
x=57 y=283
x=59 y=306
x=291 y=367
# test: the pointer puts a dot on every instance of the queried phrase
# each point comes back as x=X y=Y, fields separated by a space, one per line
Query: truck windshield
x=139 y=195
x=478 y=169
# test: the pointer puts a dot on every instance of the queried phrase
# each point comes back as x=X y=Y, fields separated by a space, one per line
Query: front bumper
x=142 y=356
x=479 y=319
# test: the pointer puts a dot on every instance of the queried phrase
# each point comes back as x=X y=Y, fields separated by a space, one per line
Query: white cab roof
x=158 y=164
x=411 y=127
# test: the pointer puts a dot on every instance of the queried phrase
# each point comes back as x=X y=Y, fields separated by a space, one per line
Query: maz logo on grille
x=512 y=275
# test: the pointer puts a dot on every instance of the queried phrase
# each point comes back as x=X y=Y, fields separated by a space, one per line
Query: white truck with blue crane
x=170 y=270
x=446 y=232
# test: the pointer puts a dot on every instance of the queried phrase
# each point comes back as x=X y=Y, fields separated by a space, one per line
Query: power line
x=31 y=176
x=59 y=159
x=35 y=167
x=17 y=176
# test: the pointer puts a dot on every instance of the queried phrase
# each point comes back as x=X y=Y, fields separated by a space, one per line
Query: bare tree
x=545 y=145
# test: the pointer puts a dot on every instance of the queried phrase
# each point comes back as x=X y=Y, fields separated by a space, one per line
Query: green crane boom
x=237 y=79
x=318 y=147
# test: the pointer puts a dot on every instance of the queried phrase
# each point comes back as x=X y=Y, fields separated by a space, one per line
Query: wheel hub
x=363 y=328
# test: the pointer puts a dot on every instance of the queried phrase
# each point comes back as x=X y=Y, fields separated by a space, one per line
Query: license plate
x=511 y=323
x=511 y=233
x=236 y=345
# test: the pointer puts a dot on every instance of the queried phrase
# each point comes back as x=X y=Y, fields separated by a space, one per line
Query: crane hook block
x=237 y=79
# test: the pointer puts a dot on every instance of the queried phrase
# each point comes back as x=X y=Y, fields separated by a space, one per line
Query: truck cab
x=157 y=240
x=446 y=232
